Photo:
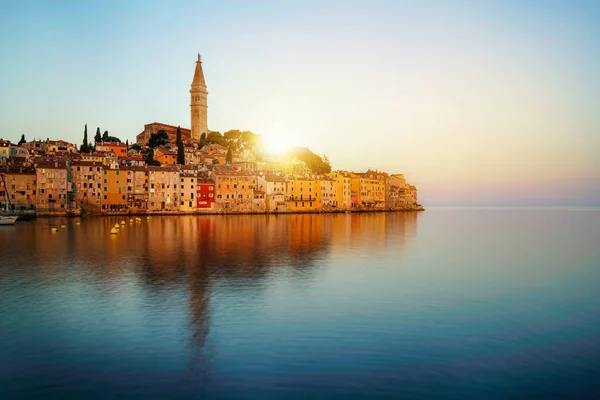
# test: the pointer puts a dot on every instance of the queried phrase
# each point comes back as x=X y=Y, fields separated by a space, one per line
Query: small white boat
x=8 y=219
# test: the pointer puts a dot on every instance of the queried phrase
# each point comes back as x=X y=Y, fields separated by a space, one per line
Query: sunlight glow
x=278 y=143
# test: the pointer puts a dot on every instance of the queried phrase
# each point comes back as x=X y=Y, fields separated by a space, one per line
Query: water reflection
x=150 y=292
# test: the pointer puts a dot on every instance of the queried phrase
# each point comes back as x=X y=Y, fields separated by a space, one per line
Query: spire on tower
x=199 y=74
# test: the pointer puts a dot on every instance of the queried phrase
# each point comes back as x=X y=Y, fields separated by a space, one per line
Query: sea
x=449 y=303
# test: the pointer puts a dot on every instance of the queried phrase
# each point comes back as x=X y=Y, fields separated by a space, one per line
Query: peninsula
x=174 y=170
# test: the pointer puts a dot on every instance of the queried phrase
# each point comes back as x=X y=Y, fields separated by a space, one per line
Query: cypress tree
x=22 y=139
x=98 y=137
x=104 y=135
x=180 y=150
x=229 y=156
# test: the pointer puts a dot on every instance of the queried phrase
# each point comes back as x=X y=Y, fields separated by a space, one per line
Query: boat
x=7 y=217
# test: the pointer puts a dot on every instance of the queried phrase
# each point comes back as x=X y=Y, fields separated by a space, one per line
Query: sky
x=475 y=102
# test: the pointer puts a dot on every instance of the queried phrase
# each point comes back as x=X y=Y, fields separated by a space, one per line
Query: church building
x=198 y=114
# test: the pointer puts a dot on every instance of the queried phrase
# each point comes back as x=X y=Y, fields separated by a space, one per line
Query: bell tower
x=198 y=103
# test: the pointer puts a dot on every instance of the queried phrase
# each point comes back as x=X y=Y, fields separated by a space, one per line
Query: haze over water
x=449 y=303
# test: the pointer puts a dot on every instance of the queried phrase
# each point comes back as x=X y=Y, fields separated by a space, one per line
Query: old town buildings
x=52 y=177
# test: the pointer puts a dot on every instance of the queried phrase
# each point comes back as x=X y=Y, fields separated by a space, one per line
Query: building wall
x=234 y=191
x=163 y=191
x=114 y=189
x=87 y=185
x=52 y=185
x=188 y=192
x=205 y=194
x=137 y=189
x=21 y=186
x=303 y=194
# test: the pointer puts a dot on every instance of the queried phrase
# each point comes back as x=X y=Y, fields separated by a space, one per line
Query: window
x=105 y=189
x=105 y=197
x=210 y=195
x=104 y=180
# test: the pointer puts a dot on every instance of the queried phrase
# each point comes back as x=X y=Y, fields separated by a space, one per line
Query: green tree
x=159 y=138
x=229 y=156
x=149 y=158
x=104 y=136
x=312 y=160
x=180 y=149
x=98 y=137
x=22 y=140
x=136 y=147
x=84 y=148
x=127 y=144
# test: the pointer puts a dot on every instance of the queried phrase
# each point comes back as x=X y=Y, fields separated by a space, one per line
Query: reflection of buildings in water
x=371 y=231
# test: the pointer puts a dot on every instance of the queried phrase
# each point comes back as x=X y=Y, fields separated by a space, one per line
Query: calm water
x=442 y=304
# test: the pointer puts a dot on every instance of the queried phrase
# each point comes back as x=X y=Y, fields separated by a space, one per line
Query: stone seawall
x=224 y=212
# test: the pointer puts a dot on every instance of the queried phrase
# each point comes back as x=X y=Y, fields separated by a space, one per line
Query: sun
x=277 y=144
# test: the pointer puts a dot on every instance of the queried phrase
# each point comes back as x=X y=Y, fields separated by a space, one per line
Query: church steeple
x=199 y=103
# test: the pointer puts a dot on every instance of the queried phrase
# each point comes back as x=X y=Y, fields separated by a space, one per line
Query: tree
x=215 y=161
x=127 y=144
x=104 y=135
x=136 y=147
x=22 y=140
x=180 y=149
x=159 y=138
x=84 y=148
x=229 y=156
x=98 y=137
x=149 y=158
x=312 y=160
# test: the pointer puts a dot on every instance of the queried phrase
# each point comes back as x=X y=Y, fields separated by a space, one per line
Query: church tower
x=199 y=104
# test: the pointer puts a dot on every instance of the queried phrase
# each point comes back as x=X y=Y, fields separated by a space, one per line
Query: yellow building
x=369 y=189
x=188 y=179
x=343 y=189
x=303 y=194
x=326 y=194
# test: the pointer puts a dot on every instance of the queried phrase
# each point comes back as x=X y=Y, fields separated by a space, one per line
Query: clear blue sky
x=476 y=102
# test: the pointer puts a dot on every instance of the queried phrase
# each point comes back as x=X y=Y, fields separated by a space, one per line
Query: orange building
x=369 y=189
x=20 y=187
x=234 y=189
x=165 y=156
x=117 y=148
x=114 y=189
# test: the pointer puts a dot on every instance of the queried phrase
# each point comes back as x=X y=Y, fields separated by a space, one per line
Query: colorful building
x=114 y=189
x=188 y=179
x=343 y=189
x=369 y=189
x=303 y=194
x=205 y=193
x=118 y=148
x=165 y=156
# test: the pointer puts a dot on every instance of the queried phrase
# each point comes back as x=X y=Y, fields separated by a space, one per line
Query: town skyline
x=490 y=106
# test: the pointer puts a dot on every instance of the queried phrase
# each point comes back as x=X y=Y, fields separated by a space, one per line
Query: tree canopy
x=159 y=138
x=22 y=140
x=149 y=158
x=313 y=161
